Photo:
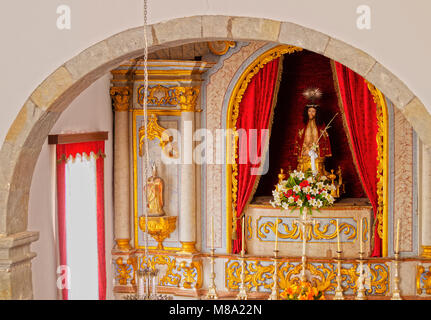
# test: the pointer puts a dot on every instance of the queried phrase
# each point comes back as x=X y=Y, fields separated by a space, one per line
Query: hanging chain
x=146 y=169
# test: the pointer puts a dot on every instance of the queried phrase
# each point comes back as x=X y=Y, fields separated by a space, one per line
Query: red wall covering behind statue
x=303 y=70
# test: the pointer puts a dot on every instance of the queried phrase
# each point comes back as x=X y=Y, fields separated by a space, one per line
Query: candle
x=212 y=232
x=338 y=238
x=397 y=250
x=276 y=236
x=243 y=237
x=360 y=236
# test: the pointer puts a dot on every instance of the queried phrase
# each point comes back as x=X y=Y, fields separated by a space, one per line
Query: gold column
x=187 y=98
x=121 y=98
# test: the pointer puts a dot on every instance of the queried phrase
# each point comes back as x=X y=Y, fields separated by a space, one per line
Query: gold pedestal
x=188 y=247
x=426 y=252
x=158 y=227
x=123 y=244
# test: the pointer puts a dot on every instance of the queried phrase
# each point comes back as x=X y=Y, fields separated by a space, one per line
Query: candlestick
x=360 y=236
x=243 y=237
x=276 y=236
x=338 y=237
x=397 y=250
x=212 y=232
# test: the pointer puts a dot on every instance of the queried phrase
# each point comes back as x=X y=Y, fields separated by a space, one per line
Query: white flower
x=323 y=178
x=324 y=193
x=296 y=188
x=291 y=199
x=319 y=184
x=314 y=191
x=312 y=202
x=282 y=188
x=285 y=205
x=307 y=189
x=272 y=203
x=332 y=187
x=300 y=175
x=319 y=203
x=310 y=179
x=294 y=174
x=299 y=203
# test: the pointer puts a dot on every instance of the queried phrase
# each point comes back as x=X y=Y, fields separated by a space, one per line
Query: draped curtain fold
x=361 y=119
x=254 y=116
x=63 y=152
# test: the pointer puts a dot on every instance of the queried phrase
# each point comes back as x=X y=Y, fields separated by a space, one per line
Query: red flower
x=289 y=193
x=308 y=197
x=304 y=184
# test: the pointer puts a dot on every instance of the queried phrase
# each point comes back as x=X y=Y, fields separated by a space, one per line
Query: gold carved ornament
x=220 y=48
x=192 y=274
x=322 y=276
x=232 y=140
x=189 y=275
x=185 y=97
x=312 y=232
x=420 y=273
x=121 y=98
x=249 y=228
x=124 y=271
x=382 y=166
x=154 y=130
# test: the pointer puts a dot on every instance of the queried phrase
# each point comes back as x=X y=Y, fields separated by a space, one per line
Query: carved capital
x=187 y=97
x=121 y=98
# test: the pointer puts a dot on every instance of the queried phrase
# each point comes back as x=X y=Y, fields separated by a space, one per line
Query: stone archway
x=28 y=132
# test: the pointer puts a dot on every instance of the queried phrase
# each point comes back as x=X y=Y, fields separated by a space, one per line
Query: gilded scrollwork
x=258 y=276
x=249 y=228
x=184 y=97
x=120 y=97
x=124 y=271
x=154 y=130
x=294 y=232
x=220 y=48
x=382 y=163
x=423 y=280
x=191 y=273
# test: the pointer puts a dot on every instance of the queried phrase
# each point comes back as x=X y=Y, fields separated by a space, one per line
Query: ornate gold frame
x=135 y=113
x=232 y=116
x=383 y=165
x=231 y=145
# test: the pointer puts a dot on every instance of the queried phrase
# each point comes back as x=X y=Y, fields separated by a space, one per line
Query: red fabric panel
x=101 y=222
x=63 y=152
x=361 y=118
x=61 y=212
x=254 y=113
x=301 y=71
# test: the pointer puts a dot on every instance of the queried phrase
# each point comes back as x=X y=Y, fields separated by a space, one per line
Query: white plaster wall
x=91 y=111
x=33 y=47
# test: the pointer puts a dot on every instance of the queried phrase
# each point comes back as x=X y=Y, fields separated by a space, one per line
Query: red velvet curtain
x=361 y=118
x=254 y=113
x=64 y=151
x=61 y=213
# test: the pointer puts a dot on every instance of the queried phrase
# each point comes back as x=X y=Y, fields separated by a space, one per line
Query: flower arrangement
x=304 y=191
x=303 y=291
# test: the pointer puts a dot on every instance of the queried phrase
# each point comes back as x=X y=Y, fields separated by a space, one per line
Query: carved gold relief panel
x=259 y=276
x=174 y=272
x=324 y=230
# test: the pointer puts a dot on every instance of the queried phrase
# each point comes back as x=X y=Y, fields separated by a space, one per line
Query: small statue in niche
x=154 y=189
x=312 y=143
